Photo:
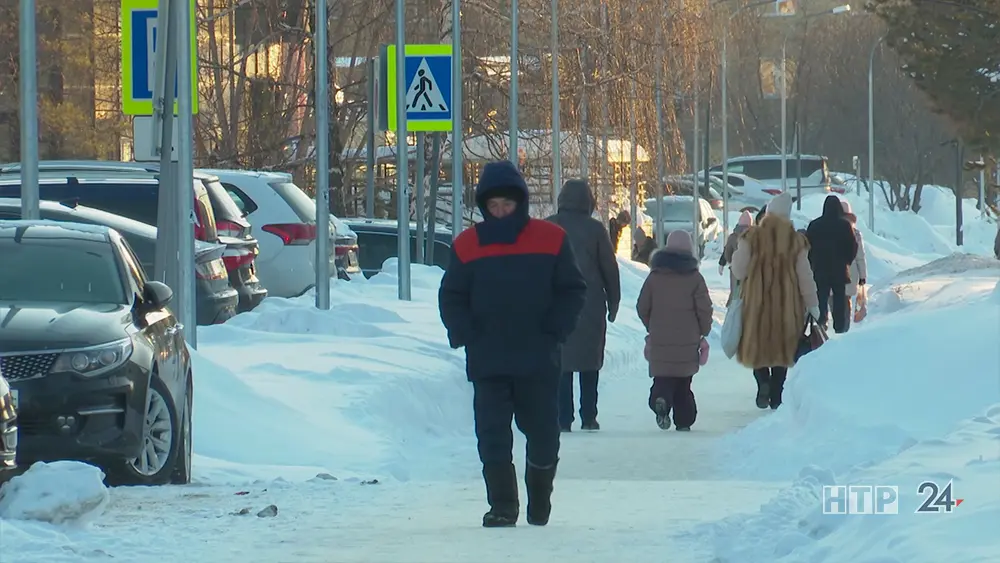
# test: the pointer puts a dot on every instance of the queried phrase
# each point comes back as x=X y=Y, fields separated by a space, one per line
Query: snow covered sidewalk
x=345 y=522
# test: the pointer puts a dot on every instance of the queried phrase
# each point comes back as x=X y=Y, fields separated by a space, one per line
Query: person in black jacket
x=832 y=249
x=511 y=296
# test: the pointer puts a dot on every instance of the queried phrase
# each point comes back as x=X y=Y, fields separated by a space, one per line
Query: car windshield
x=59 y=269
x=673 y=211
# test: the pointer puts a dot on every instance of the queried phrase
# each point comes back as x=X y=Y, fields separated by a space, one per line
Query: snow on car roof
x=93 y=232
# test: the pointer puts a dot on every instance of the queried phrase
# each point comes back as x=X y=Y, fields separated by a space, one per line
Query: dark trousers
x=532 y=403
x=837 y=293
x=850 y=312
x=774 y=377
x=676 y=391
x=588 y=397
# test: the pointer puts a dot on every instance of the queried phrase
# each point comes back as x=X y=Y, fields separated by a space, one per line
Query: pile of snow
x=870 y=408
x=61 y=492
x=893 y=379
x=367 y=389
x=793 y=527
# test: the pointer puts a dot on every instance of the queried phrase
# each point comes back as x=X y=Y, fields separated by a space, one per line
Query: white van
x=766 y=169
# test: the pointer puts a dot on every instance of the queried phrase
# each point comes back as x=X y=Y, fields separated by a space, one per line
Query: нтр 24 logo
x=936 y=498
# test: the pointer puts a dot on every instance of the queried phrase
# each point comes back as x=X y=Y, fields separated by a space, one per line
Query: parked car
x=8 y=428
x=682 y=185
x=379 y=241
x=99 y=363
x=281 y=209
x=766 y=169
x=131 y=190
x=755 y=194
x=216 y=301
x=678 y=214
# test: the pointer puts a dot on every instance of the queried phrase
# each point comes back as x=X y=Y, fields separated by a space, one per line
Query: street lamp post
x=725 y=107
x=846 y=8
x=871 y=133
x=515 y=69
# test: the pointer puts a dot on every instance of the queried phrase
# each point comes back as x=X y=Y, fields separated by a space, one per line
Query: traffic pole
x=402 y=159
x=28 y=60
x=322 y=158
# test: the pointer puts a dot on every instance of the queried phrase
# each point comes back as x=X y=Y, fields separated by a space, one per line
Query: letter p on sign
x=886 y=499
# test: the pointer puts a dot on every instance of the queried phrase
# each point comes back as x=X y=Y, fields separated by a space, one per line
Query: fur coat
x=776 y=283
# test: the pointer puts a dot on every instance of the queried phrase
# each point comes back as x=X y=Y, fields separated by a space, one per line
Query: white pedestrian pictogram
x=424 y=95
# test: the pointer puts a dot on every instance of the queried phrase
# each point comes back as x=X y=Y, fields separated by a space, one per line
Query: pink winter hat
x=680 y=241
x=848 y=212
x=746 y=219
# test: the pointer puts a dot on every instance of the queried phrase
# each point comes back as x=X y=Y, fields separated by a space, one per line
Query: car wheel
x=161 y=439
x=182 y=467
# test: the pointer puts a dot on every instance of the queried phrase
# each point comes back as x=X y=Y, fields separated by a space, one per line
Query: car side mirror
x=157 y=294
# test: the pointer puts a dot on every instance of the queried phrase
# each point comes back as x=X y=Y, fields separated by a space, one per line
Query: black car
x=98 y=361
x=378 y=240
x=215 y=300
x=8 y=429
x=131 y=190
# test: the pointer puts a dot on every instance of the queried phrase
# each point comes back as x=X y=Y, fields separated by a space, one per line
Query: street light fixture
x=725 y=106
x=846 y=8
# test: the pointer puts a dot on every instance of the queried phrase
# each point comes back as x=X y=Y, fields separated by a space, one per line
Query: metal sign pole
x=165 y=66
x=370 y=152
x=457 y=141
x=322 y=159
x=556 y=130
x=421 y=202
x=402 y=158
x=432 y=212
x=28 y=61
x=185 y=218
x=661 y=165
x=515 y=69
x=695 y=162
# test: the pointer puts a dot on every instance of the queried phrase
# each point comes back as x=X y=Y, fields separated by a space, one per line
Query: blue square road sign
x=428 y=79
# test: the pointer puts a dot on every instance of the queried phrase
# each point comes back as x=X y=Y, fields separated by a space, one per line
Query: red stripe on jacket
x=537 y=237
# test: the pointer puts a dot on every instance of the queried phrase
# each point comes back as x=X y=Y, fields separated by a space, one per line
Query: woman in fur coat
x=771 y=263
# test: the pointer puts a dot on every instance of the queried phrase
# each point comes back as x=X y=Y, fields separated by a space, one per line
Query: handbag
x=732 y=326
x=813 y=336
x=861 y=305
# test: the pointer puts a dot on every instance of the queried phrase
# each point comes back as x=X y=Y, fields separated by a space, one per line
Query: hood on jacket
x=668 y=260
x=780 y=205
x=501 y=179
x=832 y=209
x=576 y=196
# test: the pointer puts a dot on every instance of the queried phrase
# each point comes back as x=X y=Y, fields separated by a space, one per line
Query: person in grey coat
x=583 y=352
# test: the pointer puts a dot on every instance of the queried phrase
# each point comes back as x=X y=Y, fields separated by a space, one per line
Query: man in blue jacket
x=511 y=296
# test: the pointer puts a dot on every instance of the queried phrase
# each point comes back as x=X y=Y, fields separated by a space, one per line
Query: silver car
x=678 y=214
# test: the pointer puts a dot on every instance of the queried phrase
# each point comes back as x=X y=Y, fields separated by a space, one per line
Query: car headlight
x=95 y=360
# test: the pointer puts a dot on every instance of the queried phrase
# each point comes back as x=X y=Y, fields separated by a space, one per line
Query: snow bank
x=367 y=389
x=893 y=379
x=362 y=390
x=59 y=492
x=793 y=528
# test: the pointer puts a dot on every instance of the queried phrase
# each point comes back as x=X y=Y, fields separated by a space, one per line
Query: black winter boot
x=763 y=377
x=539 y=482
x=501 y=493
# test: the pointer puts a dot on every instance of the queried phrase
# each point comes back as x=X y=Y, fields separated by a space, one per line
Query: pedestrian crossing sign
x=428 y=80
